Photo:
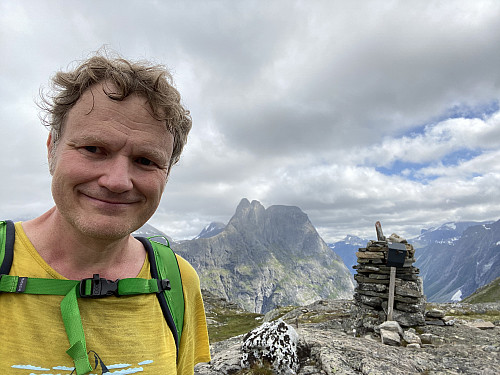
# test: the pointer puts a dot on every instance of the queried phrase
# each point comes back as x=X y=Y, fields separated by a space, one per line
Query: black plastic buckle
x=21 y=283
x=163 y=285
x=99 y=287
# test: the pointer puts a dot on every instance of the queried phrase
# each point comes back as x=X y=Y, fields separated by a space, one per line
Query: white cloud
x=436 y=141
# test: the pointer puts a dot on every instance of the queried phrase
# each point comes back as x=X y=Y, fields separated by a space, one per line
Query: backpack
x=166 y=283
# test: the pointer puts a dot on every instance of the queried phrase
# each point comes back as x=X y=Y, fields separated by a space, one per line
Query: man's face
x=111 y=165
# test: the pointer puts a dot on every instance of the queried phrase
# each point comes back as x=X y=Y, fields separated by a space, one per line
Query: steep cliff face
x=268 y=257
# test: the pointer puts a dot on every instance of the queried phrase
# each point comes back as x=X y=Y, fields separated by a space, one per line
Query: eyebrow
x=87 y=138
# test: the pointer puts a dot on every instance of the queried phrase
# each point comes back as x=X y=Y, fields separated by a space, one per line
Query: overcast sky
x=354 y=111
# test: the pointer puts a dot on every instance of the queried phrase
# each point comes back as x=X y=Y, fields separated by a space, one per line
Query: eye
x=144 y=161
x=92 y=149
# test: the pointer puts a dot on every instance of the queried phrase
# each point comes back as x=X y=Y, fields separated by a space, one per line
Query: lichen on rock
x=273 y=344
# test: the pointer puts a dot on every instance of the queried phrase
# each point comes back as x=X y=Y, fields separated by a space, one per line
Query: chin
x=106 y=229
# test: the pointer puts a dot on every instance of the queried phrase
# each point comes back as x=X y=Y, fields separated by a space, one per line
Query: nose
x=116 y=176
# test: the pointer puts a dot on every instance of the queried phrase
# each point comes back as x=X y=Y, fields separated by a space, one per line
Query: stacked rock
x=371 y=297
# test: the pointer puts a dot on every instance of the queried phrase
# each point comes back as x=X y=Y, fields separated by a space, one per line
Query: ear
x=50 y=152
x=49 y=146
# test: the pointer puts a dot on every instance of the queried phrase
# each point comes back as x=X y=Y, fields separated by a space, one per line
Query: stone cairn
x=372 y=297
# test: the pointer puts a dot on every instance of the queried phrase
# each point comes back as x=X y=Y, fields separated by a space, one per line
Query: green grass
x=231 y=323
x=488 y=293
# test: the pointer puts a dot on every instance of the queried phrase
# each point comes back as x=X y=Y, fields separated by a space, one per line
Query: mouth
x=110 y=201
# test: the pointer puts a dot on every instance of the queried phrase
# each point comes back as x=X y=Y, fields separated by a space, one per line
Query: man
x=116 y=130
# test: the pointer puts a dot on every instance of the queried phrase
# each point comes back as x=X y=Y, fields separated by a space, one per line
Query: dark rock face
x=268 y=257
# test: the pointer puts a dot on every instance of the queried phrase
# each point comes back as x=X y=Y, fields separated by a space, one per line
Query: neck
x=75 y=255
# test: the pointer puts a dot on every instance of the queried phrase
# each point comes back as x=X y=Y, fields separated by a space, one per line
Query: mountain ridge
x=456 y=266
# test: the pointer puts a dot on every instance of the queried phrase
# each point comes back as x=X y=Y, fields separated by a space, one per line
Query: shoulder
x=189 y=276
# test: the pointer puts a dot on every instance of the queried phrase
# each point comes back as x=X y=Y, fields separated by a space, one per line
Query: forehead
x=97 y=115
x=94 y=101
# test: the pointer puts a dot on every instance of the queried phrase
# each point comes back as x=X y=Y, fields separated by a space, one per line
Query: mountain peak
x=244 y=204
x=354 y=240
x=247 y=214
x=212 y=229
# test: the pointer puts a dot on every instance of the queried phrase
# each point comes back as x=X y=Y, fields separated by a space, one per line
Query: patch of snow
x=457 y=297
x=498 y=243
x=485 y=227
x=487 y=267
x=449 y=241
x=451 y=226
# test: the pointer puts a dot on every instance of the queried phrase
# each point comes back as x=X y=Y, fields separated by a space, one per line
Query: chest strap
x=95 y=287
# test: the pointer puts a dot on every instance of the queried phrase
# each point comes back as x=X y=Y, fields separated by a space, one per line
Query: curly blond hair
x=154 y=82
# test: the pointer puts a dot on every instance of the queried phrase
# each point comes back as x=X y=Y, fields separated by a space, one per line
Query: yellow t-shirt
x=128 y=334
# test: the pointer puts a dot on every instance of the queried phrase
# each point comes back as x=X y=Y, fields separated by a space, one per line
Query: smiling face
x=110 y=165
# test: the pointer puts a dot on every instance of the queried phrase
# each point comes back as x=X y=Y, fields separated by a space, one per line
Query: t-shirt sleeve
x=194 y=346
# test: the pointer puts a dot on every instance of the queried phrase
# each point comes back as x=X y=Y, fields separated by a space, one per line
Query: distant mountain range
x=447 y=233
x=458 y=258
x=211 y=230
x=347 y=248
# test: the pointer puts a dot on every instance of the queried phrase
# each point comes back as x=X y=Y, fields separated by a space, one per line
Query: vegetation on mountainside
x=487 y=293
x=226 y=320
x=232 y=323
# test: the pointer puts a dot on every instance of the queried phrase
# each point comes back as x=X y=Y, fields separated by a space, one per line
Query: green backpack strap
x=7 y=234
x=163 y=265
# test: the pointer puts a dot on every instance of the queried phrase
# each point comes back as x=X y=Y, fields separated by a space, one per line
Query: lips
x=110 y=200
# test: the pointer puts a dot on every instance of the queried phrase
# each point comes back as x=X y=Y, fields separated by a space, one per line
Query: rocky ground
x=326 y=345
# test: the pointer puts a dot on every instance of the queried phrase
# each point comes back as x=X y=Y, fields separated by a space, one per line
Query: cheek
x=152 y=186
x=70 y=172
